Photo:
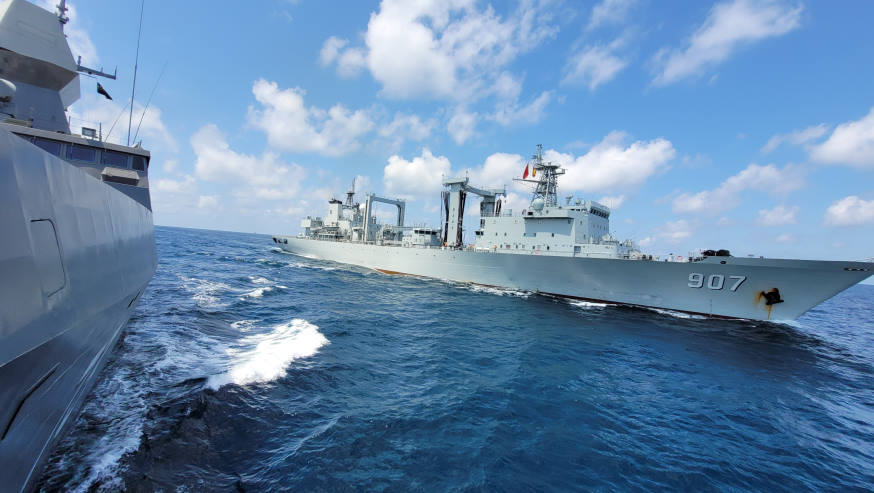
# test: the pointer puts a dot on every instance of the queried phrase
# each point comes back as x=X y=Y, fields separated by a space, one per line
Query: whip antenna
x=136 y=62
x=149 y=101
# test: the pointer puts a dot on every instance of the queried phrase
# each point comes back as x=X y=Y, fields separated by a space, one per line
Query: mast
x=547 y=183
x=62 y=13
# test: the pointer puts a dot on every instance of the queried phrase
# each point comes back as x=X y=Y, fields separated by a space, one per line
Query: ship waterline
x=565 y=249
x=732 y=287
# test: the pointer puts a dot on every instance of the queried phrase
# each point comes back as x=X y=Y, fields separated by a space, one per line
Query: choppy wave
x=426 y=384
x=262 y=358
x=258 y=292
x=205 y=292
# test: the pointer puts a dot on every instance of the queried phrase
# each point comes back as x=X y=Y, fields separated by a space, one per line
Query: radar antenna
x=547 y=182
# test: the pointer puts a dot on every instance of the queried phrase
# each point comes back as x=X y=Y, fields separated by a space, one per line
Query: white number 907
x=715 y=281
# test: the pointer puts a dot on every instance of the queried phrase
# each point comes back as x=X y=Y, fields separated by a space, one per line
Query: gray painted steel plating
x=567 y=250
x=78 y=247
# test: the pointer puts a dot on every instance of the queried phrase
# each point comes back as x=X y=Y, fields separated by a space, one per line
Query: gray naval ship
x=77 y=246
x=566 y=249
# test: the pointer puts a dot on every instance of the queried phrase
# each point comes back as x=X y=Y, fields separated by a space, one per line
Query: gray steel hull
x=76 y=254
x=730 y=286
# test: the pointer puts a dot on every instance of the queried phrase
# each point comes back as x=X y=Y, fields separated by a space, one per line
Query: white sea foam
x=259 y=280
x=243 y=325
x=497 y=291
x=301 y=265
x=265 y=357
x=205 y=293
x=257 y=292
x=677 y=314
x=588 y=305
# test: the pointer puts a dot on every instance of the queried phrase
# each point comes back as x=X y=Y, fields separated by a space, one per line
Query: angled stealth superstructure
x=567 y=250
x=78 y=247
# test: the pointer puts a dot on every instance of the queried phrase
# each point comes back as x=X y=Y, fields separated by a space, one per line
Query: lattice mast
x=546 y=184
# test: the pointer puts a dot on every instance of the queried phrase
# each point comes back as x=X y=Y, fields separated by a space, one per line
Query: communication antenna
x=149 y=101
x=136 y=62
x=62 y=13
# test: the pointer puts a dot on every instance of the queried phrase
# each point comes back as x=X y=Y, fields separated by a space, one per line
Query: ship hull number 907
x=715 y=281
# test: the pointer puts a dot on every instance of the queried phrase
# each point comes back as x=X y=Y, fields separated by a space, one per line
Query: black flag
x=101 y=90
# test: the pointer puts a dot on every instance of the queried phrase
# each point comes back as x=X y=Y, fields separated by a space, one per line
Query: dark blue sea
x=248 y=369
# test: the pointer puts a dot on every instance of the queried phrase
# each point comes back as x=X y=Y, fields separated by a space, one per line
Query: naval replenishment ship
x=77 y=247
x=566 y=249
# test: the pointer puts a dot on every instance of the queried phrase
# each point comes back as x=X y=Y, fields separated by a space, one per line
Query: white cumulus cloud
x=421 y=176
x=850 y=211
x=443 y=49
x=729 y=26
x=767 y=178
x=851 y=143
x=612 y=164
x=261 y=177
x=292 y=126
x=462 y=125
x=778 y=216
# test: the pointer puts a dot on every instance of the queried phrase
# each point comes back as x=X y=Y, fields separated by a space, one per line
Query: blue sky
x=738 y=124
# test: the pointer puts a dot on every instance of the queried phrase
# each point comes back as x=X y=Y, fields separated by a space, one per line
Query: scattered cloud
x=785 y=238
x=798 y=137
x=611 y=165
x=262 y=177
x=675 y=231
x=593 y=66
x=729 y=26
x=509 y=112
x=407 y=127
x=610 y=12
x=850 y=211
x=462 y=125
x=350 y=62
x=778 y=216
x=767 y=178
x=210 y=202
x=292 y=126
x=420 y=176
x=850 y=143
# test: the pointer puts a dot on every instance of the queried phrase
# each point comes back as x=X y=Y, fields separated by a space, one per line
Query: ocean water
x=245 y=368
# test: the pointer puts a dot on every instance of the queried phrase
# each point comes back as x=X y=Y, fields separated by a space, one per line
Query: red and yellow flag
x=525 y=174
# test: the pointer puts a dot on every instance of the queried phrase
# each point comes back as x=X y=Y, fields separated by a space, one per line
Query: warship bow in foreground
x=77 y=246
x=566 y=250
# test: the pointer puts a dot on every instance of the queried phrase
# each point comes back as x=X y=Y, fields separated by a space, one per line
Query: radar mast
x=547 y=175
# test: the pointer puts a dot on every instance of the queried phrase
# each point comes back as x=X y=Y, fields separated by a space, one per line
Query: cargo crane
x=453 y=203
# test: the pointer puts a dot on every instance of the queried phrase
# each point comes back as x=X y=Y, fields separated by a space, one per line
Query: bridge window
x=139 y=163
x=116 y=159
x=50 y=146
x=82 y=153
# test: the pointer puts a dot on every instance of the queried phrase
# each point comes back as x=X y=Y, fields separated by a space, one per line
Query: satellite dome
x=537 y=204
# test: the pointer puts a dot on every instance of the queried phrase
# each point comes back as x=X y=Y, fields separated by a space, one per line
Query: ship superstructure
x=566 y=249
x=78 y=247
